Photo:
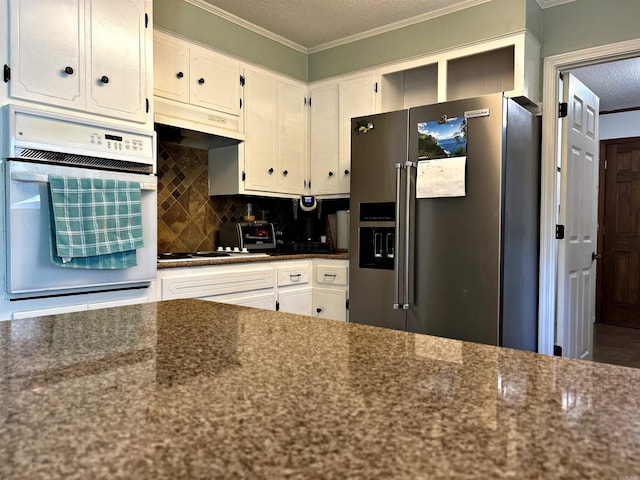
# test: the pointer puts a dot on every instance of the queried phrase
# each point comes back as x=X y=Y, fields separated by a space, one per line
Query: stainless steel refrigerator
x=444 y=221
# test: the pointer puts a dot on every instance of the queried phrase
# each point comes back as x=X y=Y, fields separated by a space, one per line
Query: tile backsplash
x=188 y=218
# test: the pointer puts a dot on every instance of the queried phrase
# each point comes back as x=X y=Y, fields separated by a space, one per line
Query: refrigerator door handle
x=398 y=236
x=407 y=235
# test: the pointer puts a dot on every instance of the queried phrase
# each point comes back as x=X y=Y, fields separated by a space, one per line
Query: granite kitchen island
x=194 y=389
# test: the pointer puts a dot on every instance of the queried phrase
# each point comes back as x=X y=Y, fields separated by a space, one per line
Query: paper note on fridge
x=444 y=177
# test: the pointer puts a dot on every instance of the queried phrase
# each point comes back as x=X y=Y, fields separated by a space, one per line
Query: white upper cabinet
x=275 y=154
x=333 y=104
x=324 y=143
x=357 y=98
x=171 y=68
x=116 y=58
x=260 y=157
x=42 y=70
x=195 y=87
x=272 y=161
x=214 y=81
x=87 y=55
x=292 y=136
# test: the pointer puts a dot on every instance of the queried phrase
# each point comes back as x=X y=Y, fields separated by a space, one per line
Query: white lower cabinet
x=330 y=303
x=295 y=300
x=265 y=300
x=331 y=286
x=208 y=282
x=315 y=287
x=294 y=291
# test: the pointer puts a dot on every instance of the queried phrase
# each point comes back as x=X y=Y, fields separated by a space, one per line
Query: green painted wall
x=497 y=17
x=589 y=23
x=195 y=23
x=534 y=19
x=564 y=28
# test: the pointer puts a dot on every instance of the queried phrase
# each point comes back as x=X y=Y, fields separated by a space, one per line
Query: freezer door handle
x=396 y=263
x=407 y=234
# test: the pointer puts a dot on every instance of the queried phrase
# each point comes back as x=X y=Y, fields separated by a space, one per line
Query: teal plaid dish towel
x=96 y=223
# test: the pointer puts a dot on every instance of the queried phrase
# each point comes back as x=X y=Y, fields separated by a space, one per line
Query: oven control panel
x=53 y=132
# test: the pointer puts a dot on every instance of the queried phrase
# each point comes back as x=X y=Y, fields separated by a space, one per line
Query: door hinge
x=7 y=73
x=146 y=20
x=557 y=350
x=277 y=306
x=563 y=109
x=375 y=87
x=244 y=176
x=147 y=103
x=559 y=232
x=242 y=80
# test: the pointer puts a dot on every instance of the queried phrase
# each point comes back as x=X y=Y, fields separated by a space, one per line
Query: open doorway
x=551 y=331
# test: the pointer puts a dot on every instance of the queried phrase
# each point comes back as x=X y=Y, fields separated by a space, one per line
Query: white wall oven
x=40 y=144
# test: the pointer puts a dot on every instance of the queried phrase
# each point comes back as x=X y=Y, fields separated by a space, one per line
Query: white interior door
x=578 y=212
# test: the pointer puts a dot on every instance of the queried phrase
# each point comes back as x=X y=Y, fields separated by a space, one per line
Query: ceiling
x=312 y=25
x=616 y=83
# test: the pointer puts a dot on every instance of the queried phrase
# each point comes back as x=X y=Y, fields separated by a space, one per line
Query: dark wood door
x=621 y=234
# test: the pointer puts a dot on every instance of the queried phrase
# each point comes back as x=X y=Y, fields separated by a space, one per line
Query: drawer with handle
x=331 y=274
x=294 y=274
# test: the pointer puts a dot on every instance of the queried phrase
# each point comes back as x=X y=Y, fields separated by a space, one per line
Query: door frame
x=553 y=65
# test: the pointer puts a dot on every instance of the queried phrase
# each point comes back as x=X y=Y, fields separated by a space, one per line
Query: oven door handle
x=42 y=178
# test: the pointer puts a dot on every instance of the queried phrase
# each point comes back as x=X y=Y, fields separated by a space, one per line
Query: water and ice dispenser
x=376 y=243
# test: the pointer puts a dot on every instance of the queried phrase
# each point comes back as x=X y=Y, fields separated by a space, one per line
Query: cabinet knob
x=346 y=172
x=318 y=310
x=270 y=171
x=104 y=79
x=285 y=172
x=68 y=70
x=331 y=174
x=201 y=81
x=180 y=75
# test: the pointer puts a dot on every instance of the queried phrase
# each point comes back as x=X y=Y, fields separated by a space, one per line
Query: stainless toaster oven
x=250 y=235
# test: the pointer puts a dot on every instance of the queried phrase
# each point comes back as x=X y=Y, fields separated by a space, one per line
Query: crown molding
x=369 y=33
x=552 y=3
x=397 y=25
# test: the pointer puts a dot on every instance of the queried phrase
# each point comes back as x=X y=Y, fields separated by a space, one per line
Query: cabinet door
x=265 y=301
x=357 y=98
x=47 y=62
x=260 y=162
x=214 y=81
x=170 y=68
x=116 y=55
x=324 y=143
x=330 y=303
x=292 y=138
x=295 y=300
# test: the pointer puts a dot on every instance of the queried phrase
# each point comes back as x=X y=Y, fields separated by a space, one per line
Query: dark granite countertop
x=199 y=262
x=194 y=389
